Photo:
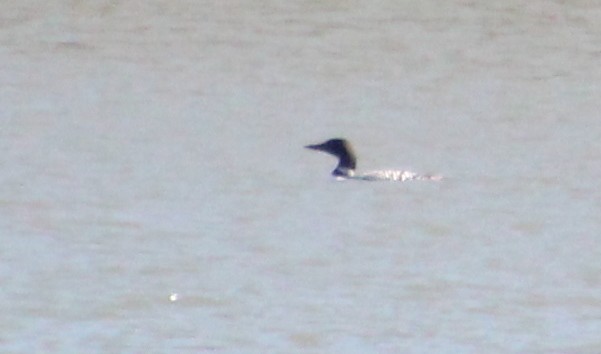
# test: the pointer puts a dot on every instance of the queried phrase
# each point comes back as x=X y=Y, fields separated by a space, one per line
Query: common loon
x=347 y=162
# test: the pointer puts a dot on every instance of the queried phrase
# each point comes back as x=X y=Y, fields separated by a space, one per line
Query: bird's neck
x=346 y=165
x=347 y=161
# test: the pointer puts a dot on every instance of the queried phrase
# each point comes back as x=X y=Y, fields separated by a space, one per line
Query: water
x=156 y=197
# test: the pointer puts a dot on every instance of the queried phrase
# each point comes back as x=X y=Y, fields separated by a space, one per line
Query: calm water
x=155 y=196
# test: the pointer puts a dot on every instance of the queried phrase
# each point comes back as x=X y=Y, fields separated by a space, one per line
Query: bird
x=347 y=163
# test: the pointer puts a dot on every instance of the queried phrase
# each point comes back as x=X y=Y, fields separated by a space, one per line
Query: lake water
x=155 y=195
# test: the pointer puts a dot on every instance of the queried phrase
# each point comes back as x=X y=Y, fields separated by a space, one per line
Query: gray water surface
x=155 y=196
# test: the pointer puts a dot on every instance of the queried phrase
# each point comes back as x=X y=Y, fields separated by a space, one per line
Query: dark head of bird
x=341 y=149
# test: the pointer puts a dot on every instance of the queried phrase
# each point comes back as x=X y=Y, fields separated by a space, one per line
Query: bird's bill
x=315 y=147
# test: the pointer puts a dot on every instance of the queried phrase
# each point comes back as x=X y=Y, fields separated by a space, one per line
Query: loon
x=347 y=162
